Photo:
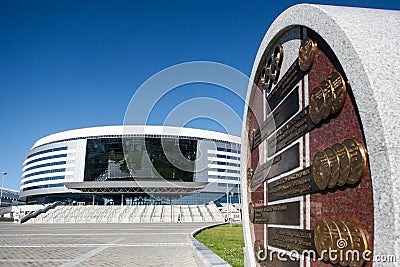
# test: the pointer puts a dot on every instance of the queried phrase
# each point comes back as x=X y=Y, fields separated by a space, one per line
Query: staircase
x=128 y=214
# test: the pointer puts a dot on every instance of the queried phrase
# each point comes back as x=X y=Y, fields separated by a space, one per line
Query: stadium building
x=125 y=165
x=8 y=197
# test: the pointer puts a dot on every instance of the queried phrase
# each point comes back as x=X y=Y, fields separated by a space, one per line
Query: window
x=46 y=165
x=227 y=163
x=223 y=170
x=43 y=172
x=47 y=151
x=228 y=150
x=43 y=179
x=42 y=186
x=48 y=157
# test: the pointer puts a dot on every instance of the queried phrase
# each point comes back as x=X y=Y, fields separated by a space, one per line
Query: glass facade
x=145 y=158
x=105 y=160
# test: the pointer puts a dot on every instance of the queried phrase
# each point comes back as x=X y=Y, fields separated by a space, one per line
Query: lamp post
x=2 y=185
x=227 y=202
x=230 y=209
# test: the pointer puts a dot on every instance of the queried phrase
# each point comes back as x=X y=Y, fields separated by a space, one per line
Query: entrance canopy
x=160 y=188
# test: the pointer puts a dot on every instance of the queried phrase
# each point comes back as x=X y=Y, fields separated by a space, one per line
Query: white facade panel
x=80 y=160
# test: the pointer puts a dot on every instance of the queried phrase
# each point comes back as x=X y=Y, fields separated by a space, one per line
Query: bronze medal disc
x=339 y=91
x=345 y=245
x=357 y=159
x=322 y=239
x=251 y=212
x=307 y=53
x=317 y=105
x=251 y=138
x=335 y=236
x=249 y=176
x=364 y=153
x=359 y=243
x=321 y=170
x=326 y=88
x=334 y=165
x=344 y=163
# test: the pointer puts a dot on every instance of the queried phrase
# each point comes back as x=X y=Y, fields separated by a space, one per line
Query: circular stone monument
x=323 y=166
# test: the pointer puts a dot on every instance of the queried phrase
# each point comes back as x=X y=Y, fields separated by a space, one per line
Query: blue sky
x=73 y=64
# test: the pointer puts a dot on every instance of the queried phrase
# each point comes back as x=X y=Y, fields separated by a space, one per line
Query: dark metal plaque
x=289 y=159
x=289 y=80
x=291 y=239
x=284 y=214
x=287 y=109
x=256 y=140
x=284 y=162
x=296 y=184
x=291 y=131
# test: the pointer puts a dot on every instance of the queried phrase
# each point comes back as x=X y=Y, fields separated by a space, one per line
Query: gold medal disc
x=344 y=163
x=321 y=170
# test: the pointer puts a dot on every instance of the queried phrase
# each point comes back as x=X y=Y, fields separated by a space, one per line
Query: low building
x=8 y=196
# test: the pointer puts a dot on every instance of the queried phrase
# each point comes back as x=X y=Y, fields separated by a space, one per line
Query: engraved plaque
x=295 y=128
x=286 y=161
x=281 y=114
x=284 y=214
x=291 y=239
x=293 y=185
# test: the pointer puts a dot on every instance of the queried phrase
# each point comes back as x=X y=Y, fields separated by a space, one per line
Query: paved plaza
x=149 y=244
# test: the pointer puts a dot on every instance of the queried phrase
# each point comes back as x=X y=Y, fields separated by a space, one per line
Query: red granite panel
x=347 y=203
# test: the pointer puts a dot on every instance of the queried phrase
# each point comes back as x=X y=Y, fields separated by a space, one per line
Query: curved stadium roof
x=119 y=130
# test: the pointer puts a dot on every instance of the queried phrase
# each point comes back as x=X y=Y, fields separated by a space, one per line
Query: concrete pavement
x=151 y=244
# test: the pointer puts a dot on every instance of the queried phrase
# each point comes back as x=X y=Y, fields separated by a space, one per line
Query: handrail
x=5 y=210
x=39 y=211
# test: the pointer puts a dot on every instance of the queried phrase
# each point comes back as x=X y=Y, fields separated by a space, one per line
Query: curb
x=205 y=255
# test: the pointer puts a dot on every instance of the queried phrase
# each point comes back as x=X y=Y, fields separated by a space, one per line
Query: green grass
x=225 y=241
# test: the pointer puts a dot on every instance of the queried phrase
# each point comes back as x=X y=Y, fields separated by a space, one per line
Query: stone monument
x=320 y=141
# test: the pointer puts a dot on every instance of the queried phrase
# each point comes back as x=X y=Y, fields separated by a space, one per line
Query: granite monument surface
x=320 y=142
